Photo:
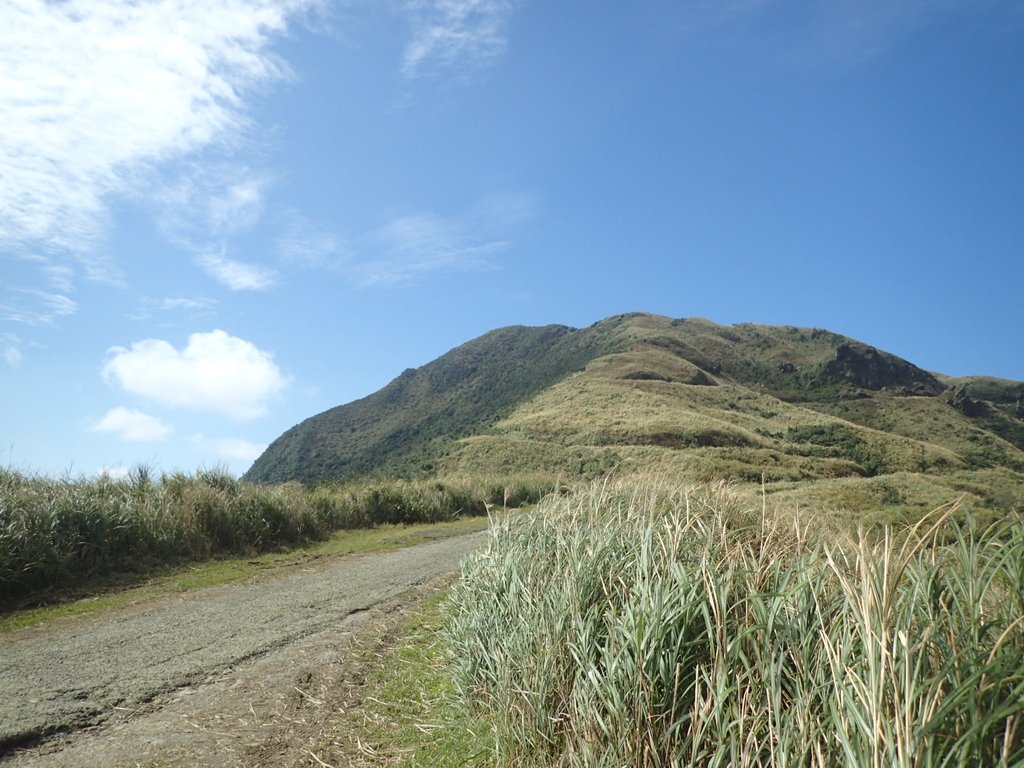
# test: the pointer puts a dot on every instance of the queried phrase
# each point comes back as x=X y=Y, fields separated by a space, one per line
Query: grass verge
x=415 y=706
x=398 y=705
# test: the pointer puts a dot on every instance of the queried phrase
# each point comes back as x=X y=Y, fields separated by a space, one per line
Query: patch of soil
x=299 y=705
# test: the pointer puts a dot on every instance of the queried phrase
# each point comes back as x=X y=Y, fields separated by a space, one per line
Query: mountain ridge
x=440 y=400
x=741 y=402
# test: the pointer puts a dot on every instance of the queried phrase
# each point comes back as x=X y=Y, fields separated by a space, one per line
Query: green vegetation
x=61 y=536
x=789 y=599
x=826 y=421
x=649 y=624
x=412 y=713
x=404 y=429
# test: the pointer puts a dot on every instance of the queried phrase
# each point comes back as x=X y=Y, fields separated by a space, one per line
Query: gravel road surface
x=102 y=672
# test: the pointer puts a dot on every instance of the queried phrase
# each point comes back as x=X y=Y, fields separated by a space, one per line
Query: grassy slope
x=706 y=401
x=825 y=419
x=402 y=429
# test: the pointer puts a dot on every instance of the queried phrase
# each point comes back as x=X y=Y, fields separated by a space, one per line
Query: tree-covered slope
x=407 y=426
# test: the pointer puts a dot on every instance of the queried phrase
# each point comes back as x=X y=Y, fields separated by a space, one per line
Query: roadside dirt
x=240 y=675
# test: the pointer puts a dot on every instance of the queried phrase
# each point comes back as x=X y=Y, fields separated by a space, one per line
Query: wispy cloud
x=303 y=244
x=11 y=345
x=214 y=372
x=239 y=206
x=132 y=426
x=34 y=307
x=194 y=306
x=409 y=247
x=60 y=277
x=204 y=208
x=179 y=302
x=413 y=246
x=236 y=275
x=94 y=94
x=56 y=274
x=210 y=202
x=455 y=35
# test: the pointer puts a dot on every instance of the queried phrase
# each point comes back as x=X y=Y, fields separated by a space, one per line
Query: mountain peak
x=687 y=395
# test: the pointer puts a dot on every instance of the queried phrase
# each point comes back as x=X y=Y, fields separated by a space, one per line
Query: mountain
x=822 y=418
x=404 y=428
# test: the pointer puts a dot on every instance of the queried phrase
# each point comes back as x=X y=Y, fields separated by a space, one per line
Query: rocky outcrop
x=867 y=368
x=967 y=405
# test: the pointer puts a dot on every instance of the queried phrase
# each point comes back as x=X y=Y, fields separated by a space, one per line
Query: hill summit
x=819 y=416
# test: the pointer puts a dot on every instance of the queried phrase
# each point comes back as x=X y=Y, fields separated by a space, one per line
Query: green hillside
x=406 y=427
x=824 y=419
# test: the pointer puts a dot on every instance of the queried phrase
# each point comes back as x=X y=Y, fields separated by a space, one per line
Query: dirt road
x=198 y=678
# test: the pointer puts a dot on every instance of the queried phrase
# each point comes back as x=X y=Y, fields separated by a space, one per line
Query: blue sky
x=220 y=218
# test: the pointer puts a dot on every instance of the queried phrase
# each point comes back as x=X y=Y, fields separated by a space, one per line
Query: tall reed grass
x=649 y=625
x=55 y=533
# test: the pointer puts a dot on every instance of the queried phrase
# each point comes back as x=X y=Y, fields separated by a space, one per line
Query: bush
x=57 y=533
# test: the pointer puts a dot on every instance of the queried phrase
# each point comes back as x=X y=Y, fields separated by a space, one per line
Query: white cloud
x=239 y=206
x=60 y=277
x=133 y=426
x=95 y=93
x=455 y=34
x=203 y=208
x=236 y=275
x=231 y=448
x=173 y=303
x=211 y=202
x=214 y=372
x=148 y=306
x=35 y=307
x=12 y=348
x=114 y=473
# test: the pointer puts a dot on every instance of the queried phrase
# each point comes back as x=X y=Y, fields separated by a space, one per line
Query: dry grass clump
x=56 y=533
x=649 y=625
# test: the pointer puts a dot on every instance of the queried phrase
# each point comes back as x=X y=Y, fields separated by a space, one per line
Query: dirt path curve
x=144 y=683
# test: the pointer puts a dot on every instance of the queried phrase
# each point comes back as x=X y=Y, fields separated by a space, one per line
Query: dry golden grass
x=886 y=456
